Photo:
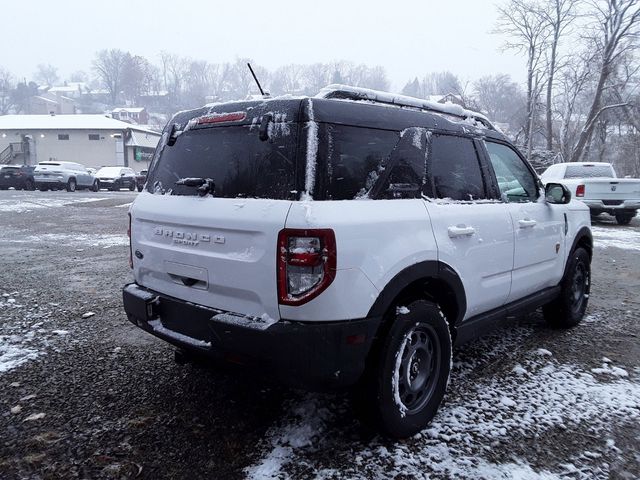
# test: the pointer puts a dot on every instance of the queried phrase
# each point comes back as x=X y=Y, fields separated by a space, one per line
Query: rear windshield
x=109 y=171
x=239 y=163
x=8 y=169
x=588 y=171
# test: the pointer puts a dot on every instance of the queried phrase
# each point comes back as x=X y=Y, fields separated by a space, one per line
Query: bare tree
x=110 y=67
x=46 y=74
x=573 y=83
x=7 y=84
x=502 y=99
x=618 y=22
x=521 y=20
x=558 y=15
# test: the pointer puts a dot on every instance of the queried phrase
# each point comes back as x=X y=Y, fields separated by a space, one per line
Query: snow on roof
x=395 y=99
x=142 y=139
x=66 y=122
x=128 y=109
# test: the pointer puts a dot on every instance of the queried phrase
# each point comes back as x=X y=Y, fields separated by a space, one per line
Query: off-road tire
x=568 y=309
x=409 y=377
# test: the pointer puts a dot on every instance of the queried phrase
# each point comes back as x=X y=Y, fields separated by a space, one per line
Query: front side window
x=455 y=169
x=515 y=180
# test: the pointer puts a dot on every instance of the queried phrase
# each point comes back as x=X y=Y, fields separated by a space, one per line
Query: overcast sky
x=408 y=38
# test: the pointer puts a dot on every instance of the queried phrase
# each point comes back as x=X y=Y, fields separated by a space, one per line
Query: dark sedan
x=19 y=177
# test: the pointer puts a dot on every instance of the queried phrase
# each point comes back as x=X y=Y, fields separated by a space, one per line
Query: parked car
x=598 y=185
x=68 y=175
x=115 y=178
x=350 y=239
x=141 y=179
x=19 y=177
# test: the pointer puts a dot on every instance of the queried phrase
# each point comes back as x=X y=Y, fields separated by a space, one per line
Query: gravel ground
x=87 y=395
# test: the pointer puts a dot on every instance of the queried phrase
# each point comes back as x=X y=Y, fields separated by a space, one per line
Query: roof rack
x=347 y=92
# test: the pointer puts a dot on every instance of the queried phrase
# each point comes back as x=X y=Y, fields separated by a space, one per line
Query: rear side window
x=355 y=158
x=588 y=171
x=234 y=157
x=454 y=168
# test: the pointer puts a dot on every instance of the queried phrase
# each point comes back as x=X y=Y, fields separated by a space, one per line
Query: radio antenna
x=256 y=79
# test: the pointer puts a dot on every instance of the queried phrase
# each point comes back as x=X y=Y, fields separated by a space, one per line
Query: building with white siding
x=92 y=140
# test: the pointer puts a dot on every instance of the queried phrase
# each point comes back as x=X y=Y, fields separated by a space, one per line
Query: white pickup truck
x=597 y=185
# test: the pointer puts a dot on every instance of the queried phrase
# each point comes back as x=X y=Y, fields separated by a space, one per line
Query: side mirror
x=556 y=193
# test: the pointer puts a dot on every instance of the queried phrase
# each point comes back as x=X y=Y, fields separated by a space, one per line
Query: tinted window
x=407 y=166
x=515 y=180
x=63 y=136
x=588 y=171
x=94 y=136
x=355 y=158
x=454 y=168
x=238 y=162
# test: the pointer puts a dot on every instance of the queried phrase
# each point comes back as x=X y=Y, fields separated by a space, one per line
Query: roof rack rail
x=347 y=92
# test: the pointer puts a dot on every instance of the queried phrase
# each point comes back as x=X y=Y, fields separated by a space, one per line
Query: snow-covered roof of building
x=66 y=122
x=142 y=139
x=128 y=109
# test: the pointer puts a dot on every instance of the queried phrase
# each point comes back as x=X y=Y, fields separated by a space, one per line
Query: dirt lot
x=86 y=395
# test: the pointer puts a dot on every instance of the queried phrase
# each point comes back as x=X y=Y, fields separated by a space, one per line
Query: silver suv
x=68 y=175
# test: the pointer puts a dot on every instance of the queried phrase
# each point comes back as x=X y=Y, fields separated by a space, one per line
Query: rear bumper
x=605 y=206
x=318 y=356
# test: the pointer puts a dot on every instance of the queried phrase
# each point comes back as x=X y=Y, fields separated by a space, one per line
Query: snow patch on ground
x=25 y=333
x=74 y=239
x=29 y=202
x=542 y=395
x=619 y=237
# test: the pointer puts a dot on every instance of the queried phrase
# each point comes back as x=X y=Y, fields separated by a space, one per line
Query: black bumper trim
x=313 y=355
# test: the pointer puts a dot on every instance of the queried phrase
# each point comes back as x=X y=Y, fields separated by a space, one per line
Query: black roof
x=345 y=112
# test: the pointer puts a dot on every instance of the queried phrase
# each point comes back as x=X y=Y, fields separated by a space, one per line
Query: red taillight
x=306 y=264
x=130 y=249
x=580 y=191
x=222 y=117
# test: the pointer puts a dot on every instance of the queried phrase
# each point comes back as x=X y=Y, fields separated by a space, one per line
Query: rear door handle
x=460 y=231
x=527 y=223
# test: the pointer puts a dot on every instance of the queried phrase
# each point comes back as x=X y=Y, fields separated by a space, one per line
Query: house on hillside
x=133 y=115
x=92 y=140
x=48 y=103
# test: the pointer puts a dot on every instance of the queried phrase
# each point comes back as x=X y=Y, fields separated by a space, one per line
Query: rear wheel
x=71 y=185
x=132 y=186
x=43 y=188
x=624 y=218
x=96 y=186
x=568 y=309
x=139 y=188
x=411 y=372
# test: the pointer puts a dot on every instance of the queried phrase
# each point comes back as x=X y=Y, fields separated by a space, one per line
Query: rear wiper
x=205 y=185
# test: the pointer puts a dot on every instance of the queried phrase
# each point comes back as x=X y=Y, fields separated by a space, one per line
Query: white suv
x=54 y=175
x=349 y=239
